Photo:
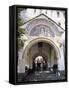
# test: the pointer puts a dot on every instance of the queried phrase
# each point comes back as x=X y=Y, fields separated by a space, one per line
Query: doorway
x=40 y=63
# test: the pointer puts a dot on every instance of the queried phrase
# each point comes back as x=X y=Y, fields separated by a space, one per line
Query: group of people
x=39 y=64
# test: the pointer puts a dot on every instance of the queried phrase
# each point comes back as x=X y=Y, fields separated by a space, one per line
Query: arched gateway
x=44 y=40
x=41 y=46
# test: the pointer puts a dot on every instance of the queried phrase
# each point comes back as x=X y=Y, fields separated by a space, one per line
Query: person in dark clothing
x=55 y=68
x=33 y=65
x=44 y=65
x=38 y=65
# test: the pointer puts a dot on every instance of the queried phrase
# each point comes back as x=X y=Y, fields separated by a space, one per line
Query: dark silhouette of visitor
x=38 y=65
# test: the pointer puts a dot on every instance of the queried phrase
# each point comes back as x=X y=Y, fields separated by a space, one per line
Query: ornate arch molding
x=41 y=29
x=45 y=22
x=41 y=39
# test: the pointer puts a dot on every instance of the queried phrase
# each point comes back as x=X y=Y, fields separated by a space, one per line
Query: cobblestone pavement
x=43 y=75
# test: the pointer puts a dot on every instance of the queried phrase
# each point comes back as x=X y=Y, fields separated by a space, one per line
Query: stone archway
x=27 y=58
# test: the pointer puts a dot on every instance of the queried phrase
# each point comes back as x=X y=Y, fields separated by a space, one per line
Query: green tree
x=21 y=32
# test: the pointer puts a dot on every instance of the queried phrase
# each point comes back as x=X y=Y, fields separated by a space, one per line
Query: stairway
x=41 y=76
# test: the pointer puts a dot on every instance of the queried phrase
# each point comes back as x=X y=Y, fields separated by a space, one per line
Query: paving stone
x=43 y=75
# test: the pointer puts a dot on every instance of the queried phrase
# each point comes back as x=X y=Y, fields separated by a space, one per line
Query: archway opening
x=41 y=56
x=40 y=63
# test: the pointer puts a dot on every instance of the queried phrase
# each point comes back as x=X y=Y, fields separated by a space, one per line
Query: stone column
x=21 y=62
x=30 y=60
x=61 y=63
x=52 y=58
